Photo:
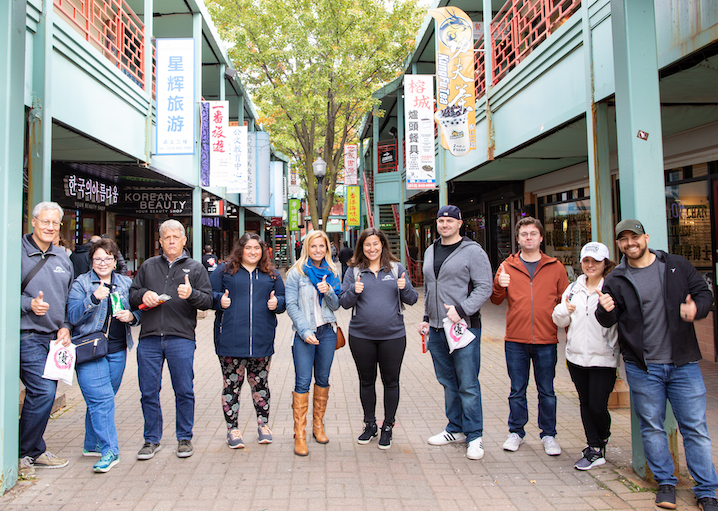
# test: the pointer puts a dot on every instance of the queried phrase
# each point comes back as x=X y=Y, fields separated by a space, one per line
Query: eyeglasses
x=106 y=260
x=47 y=223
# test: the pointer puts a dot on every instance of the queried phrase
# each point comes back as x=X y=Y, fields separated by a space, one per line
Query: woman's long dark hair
x=359 y=259
x=235 y=258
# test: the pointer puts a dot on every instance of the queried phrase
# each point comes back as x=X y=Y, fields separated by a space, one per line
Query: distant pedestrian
x=591 y=351
x=80 y=258
x=248 y=294
x=313 y=289
x=345 y=255
x=375 y=289
x=209 y=260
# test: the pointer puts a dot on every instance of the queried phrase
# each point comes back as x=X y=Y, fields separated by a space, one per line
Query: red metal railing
x=367 y=199
x=388 y=156
x=518 y=28
x=113 y=28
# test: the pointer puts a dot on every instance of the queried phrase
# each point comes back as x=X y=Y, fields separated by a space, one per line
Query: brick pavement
x=343 y=475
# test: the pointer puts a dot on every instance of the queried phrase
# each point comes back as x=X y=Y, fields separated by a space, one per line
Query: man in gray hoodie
x=457 y=282
x=42 y=310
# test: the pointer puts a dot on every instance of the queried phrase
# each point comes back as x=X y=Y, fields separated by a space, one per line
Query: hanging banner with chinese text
x=455 y=81
x=419 y=131
x=353 y=205
x=295 y=189
x=218 y=151
x=293 y=213
x=258 y=153
x=175 y=97
x=238 y=173
x=350 y=164
x=276 y=207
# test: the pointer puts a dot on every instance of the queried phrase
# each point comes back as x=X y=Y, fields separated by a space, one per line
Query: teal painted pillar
x=640 y=150
x=240 y=208
x=599 y=166
x=12 y=67
x=40 y=118
x=402 y=176
x=197 y=192
x=375 y=166
x=240 y=215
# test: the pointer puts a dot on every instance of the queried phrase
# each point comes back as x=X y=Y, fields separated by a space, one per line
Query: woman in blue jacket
x=248 y=294
x=312 y=297
x=89 y=310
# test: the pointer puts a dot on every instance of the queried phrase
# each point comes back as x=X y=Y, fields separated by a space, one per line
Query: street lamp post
x=320 y=169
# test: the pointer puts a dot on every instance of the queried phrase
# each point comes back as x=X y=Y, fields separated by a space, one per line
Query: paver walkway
x=343 y=475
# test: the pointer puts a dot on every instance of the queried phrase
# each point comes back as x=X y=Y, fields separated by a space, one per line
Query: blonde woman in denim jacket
x=312 y=294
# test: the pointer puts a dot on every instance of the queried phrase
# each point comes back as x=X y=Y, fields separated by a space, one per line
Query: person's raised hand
x=39 y=306
x=605 y=300
x=504 y=278
x=688 y=310
x=272 y=302
x=358 y=285
x=102 y=292
x=323 y=287
x=401 y=282
x=571 y=307
x=184 y=290
x=225 y=301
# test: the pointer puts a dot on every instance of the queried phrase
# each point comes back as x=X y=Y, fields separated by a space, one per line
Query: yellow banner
x=455 y=81
x=353 y=205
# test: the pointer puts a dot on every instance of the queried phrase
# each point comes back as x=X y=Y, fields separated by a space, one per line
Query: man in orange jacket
x=533 y=283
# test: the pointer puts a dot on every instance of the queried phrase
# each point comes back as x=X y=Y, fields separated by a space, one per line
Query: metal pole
x=320 y=193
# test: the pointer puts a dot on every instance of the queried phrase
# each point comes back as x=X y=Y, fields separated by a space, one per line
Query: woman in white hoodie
x=591 y=351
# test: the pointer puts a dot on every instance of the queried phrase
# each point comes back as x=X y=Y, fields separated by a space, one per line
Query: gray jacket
x=465 y=281
x=54 y=280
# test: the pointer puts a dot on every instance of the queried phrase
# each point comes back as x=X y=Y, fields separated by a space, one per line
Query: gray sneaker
x=184 y=449
x=234 y=439
x=49 y=460
x=148 y=451
x=25 y=468
x=264 y=435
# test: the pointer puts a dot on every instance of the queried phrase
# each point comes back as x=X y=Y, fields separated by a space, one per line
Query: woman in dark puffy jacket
x=248 y=294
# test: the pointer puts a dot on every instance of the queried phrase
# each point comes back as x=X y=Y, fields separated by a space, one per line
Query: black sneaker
x=708 y=504
x=591 y=458
x=148 y=451
x=385 y=439
x=666 y=496
x=370 y=431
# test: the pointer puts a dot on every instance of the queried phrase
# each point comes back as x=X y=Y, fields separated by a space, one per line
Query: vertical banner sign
x=350 y=164
x=276 y=207
x=294 y=205
x=175 y=97
x=455 y=87
x=294 y=186
x=353 y=205
x=419 y=131
x=218 y=153
x=258 y=153
x=249 y=198
x=204 y=144
x=237 y=140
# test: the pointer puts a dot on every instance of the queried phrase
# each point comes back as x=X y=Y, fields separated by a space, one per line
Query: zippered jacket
x=176 y=316
x=531 y=301
x=588 y=344
x=680 y=278
x=246 y=329
x=464 y=282
x=300 y=293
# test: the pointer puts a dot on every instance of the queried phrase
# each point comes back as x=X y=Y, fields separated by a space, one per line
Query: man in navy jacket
x=655 y=297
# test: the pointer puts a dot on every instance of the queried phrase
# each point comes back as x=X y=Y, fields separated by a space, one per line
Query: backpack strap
x=395 y=274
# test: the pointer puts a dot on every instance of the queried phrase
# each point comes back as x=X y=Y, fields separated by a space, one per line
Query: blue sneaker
x=106 y=463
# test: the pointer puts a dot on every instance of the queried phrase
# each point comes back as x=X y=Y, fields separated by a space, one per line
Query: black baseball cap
x=630 y=224
x=450 y=211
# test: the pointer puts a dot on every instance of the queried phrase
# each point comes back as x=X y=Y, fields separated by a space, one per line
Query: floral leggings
x=233 y=370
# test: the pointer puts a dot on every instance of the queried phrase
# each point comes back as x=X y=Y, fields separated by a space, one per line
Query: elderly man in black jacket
x=655 y=297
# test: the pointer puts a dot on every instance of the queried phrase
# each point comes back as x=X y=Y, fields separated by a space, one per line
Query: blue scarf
x=317 y=274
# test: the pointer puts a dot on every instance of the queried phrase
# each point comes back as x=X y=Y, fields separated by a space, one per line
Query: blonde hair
x=304 y=256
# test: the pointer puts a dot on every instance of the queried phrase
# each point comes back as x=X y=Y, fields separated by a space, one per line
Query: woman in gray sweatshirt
x=376 y=288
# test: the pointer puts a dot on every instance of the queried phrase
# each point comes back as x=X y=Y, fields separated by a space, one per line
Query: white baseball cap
x=596 y=250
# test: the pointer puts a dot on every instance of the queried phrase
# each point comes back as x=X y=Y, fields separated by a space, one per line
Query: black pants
x=594 y=386
x=388 y=355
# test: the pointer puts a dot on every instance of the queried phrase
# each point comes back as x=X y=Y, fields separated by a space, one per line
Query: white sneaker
x=513 y=442
x=475 y=449
x=445 y=438
x=550 y=445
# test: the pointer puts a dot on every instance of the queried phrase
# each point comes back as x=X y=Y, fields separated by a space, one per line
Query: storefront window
x=689 y=223
x=567 y=228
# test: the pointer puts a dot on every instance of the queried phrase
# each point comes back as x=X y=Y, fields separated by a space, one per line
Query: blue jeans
x=458 y=373
x=683 y=387
x=179 y=353
x=518 y=361
x=315 y=358
x=99 y=381
x=39 y=393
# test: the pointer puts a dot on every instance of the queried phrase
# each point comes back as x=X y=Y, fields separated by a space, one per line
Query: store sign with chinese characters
x=90 y=193
x=353 y=206
x=214 y=208
x=351 y=152
x=175 y=96
x=218 y=143
x=419 y=122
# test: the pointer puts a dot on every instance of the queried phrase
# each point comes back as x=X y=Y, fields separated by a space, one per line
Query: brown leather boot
x=321 y=395
x=300 y=404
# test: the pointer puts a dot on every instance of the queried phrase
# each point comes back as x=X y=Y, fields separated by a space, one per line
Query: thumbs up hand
x=607 y=302
x=102 y=292
x=358 y=286
x=184 y=290
x=323 y=287
x=571 y=307
x=452 y=314
x=401 y=282
x=504 y=278
x=39 y=306
x=272 y=302
x=225 y=301
x=688 y=310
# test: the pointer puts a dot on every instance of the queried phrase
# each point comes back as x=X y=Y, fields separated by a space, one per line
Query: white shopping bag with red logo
x=60 y=363
x=458 y=334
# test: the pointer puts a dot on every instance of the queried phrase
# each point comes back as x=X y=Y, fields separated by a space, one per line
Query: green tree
x=311 y=67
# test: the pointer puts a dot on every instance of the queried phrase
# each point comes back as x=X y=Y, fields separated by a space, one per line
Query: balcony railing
x=388 y=156
x=113 y=28
x=518 y=28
